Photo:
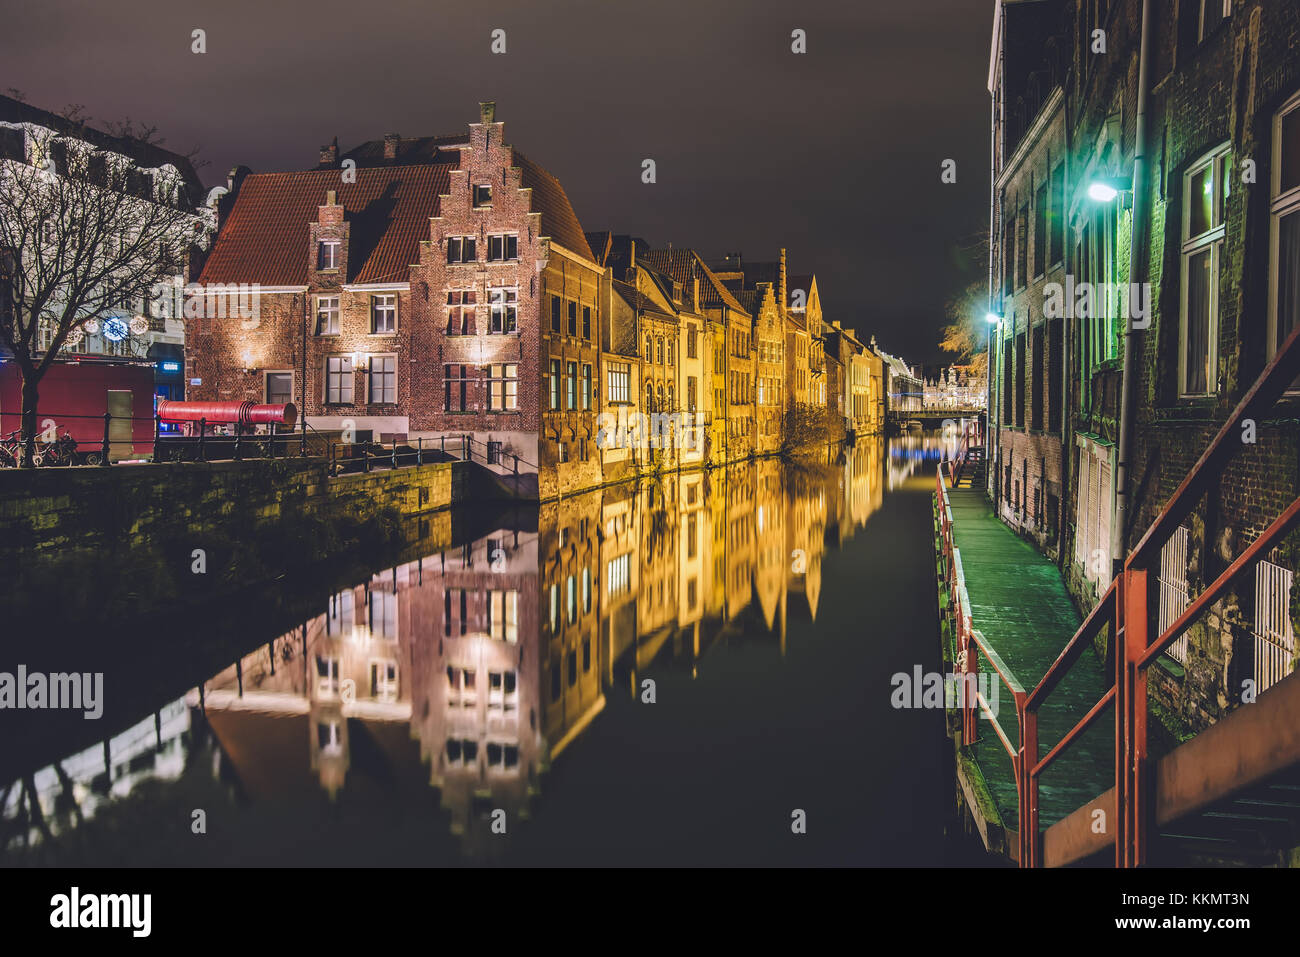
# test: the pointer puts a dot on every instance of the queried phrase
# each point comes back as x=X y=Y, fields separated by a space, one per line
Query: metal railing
x=969 y=645
x=1127 y=607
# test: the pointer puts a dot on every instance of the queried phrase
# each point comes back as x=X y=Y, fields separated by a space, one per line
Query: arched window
x=670 y=399
x=649 y=396
x=659 y=354
x=648 y=354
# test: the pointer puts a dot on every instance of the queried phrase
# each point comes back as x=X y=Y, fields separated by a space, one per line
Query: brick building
x=1026 y=473
x=443 y=286
x=1222 y=114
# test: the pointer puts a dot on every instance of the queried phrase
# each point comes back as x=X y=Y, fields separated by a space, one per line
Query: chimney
x=390 y=145
x=487 y=112
x=780 y=282
x=329 y=155
x=235 y=177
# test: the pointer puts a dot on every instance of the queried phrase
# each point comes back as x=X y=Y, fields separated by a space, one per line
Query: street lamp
x=1104 y=189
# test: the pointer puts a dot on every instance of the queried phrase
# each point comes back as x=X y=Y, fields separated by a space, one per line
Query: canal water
x=696 y=670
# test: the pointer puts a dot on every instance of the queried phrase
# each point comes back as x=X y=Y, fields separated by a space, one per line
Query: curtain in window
x=1288 y=275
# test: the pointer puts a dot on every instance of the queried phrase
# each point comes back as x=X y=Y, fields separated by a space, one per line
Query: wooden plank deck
x=1020 y=605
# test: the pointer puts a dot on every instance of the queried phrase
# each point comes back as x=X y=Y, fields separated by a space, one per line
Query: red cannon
x=222 y=413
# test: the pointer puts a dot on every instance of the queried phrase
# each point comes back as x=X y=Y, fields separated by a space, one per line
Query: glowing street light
x=992 y=318
x=1104 y=189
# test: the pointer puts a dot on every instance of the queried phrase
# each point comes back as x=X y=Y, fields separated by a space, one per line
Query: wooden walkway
x=1020 y=605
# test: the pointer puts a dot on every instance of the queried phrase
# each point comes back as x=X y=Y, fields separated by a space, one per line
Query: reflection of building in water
x=56 y=798
x=569 y=552
x=472 y=669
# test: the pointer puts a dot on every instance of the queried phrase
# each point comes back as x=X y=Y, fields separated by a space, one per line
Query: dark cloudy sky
x=834 y=154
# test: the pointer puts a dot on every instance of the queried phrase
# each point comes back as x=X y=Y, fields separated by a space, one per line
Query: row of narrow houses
x=442 y=287
x=1214 y=291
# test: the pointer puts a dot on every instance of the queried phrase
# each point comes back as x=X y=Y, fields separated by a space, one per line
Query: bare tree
x=84 y=230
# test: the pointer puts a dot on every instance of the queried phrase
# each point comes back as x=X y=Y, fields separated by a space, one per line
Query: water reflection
x=471 y=671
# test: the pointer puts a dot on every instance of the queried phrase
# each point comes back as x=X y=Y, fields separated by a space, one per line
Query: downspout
x=1137 y=279
x=989 y=441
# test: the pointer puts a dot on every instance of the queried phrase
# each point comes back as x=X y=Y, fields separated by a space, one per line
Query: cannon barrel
x=243 y=413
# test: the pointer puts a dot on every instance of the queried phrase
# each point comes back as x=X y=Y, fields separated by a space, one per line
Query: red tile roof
x=685 y=264
x=559 y=221
x=264 y=238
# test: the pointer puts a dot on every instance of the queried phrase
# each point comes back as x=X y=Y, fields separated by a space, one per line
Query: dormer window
x=482 y=196
x=327 y=254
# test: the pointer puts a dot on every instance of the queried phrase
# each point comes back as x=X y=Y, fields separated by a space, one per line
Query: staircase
x=1260 y=827
x=968 y=471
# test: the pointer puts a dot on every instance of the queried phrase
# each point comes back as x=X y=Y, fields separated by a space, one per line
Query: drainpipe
x=1137 y=278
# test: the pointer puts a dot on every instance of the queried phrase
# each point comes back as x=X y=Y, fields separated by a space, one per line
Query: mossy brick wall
x=134 y=530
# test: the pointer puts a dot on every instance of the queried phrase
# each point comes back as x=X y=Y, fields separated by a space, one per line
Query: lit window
x=383 y=312
x=505 y=310
x=338 y=380
x=1205 y=188
x=503 y=386
x=383 y=379
x=327 y=315
x=1284 y=279
x=460 y=312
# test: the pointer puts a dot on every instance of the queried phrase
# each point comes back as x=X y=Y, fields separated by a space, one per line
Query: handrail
x=1125 y=606
x=970 y=643
x=1073 y=649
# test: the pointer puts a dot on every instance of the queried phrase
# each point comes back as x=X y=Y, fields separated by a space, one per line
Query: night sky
x=834 y=154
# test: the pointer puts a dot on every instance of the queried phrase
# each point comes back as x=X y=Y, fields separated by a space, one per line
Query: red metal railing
x=970 y=644
x=1127 y=608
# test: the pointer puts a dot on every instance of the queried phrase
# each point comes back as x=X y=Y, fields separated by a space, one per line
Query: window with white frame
x=503 y=615
x=504 y=301
x=383 y=680
x=338 y=380
x=460 y=312
x=327 y=254
x=383 y=312
x=279 y=388
x=1284 y=243
x=618 y=575
x=503 y=386
x=383 y=379
x=620 y=382
x=327 y=315
x=327 y=676
x=1205 y=190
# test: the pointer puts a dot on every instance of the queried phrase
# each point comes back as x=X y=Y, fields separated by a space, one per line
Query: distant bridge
x=931 y=416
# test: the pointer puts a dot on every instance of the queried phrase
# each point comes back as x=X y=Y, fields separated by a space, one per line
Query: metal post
x=1134 y=790
x=394 y=451
x=1029 y=843
x=365 y=459
x=303 y=449
x=157 y=431
x=464 y=447
x=442 y=444
x=239 y=435
x=203 y=433
x=103 y=459
x=419 y=451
